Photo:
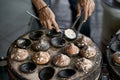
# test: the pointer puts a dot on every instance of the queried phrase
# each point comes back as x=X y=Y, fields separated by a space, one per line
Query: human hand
x=87 y=6
x=47 y=19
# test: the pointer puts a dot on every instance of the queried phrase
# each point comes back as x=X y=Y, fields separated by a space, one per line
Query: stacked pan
x=113 y=57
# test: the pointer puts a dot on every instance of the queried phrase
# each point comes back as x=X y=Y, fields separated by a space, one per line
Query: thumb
x=78 y=9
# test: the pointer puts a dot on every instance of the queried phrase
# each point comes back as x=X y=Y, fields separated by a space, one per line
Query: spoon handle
x=75 y=22
x=32 y=15
x=80 y=26
x=81 y=22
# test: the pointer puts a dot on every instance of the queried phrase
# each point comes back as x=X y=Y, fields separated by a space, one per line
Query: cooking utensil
x=32 y=15
x=71 y=33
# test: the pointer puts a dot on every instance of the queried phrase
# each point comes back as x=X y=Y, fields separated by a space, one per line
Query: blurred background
x=15 y=12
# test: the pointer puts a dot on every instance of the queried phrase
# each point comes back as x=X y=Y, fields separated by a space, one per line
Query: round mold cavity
x=46 y=73
x=23 y=43
x=44 y=46
x=118 y=37
x=54 y=33
x=28 y=67
x=58 y=42
x=66 y=73
x=115 y=46
x=80 y=44
x=36 y=35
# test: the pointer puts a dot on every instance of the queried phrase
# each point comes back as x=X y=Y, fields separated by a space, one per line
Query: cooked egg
x=69 y=33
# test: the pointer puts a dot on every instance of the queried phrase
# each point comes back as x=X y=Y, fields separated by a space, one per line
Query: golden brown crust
x=41 y=57
x=116 y=57
x=71 y=49
x=61 y=60
x=84 y=40
x=84 y=64
x=19 y=54
x=88 y=52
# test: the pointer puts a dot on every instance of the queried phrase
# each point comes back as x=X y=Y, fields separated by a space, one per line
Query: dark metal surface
x=114 y=69
x=95 y=71
x=112 y=3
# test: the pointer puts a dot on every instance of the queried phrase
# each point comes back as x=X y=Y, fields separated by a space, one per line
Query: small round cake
x=61 y=60
x=84 y=64
x=83 y=41
x=41 y=57
x=19 y=54
x=116 y=57
x=88 y=52
x=71 y=49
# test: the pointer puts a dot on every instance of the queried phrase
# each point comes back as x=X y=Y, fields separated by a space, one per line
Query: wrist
x=39 y=4
x=41 y=9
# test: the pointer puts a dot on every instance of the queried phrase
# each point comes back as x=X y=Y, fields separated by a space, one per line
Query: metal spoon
x=32 y=15
x=75 y=32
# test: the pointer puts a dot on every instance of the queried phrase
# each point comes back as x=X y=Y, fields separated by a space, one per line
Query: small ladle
x=71 y=29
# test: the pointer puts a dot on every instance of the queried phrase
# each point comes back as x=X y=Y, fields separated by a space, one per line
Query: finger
x=85 y=13
x=90 y=9
x=86 y=10
x=82 y=3
x=85 y=1
x=78 y=9
x=49 y=24
x=41 y=22
x=56 y=26
x=93 y=7
x=45 y=24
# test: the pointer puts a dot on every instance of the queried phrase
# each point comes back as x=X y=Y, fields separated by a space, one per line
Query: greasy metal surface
x=112 y=3
x=92 y=74
x=112 y=67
